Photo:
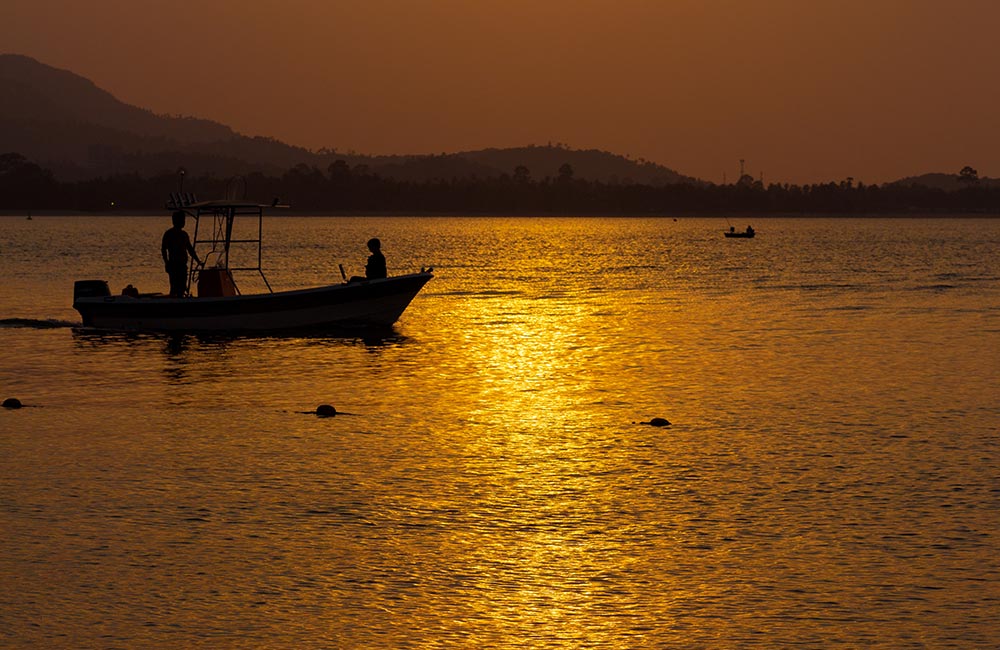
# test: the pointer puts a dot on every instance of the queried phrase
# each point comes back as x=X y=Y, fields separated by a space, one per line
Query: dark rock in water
x=12 y=403
x=325 y=411
x=658 y=422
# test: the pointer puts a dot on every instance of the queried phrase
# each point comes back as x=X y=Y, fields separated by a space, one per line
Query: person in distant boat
x=732 y=228
x=375 y=268
x=750 y=230
x=175 y=248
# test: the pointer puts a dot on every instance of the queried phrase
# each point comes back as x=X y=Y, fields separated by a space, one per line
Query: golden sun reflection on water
x=526 y=360
x=539 y=480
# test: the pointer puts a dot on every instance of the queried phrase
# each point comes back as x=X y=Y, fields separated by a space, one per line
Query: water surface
x=830 y=478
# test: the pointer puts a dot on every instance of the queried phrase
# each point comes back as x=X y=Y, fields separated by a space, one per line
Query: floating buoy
x=657 y=422
x=12 y=403
x=325 y=411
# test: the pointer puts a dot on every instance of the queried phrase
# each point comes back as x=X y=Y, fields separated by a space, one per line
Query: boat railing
x=218 y=235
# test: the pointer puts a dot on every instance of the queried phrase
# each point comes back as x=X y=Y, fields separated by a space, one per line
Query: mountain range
x=68 y=125
x=65 y=123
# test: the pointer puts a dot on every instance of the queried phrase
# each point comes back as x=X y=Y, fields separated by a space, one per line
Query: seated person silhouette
x=375 y=268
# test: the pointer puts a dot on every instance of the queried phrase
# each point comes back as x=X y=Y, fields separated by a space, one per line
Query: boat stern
x=85 y=289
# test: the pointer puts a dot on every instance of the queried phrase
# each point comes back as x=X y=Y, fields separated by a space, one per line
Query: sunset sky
x=804 y=90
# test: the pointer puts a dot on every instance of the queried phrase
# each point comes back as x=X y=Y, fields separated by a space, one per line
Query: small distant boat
x=743 y=234
x=220 y=307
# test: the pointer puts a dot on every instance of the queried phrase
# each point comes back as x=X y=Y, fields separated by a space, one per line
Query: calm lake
x=831 y=477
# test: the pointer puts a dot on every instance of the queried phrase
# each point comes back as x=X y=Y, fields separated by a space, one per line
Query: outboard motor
x=90 y=289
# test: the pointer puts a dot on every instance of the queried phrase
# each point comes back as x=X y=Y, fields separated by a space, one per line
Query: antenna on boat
x=236 y=188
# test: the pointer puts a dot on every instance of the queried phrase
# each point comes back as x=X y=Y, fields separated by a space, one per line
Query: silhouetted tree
x=522 y=175
x=968 y=175
x=339 y=171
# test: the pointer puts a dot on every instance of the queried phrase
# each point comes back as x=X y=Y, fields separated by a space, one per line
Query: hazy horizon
x=803 y=92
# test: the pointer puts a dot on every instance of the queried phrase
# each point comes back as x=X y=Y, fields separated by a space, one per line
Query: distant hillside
x=65 y=123
x=946 y=182
x=33 y=92
x=589 y=164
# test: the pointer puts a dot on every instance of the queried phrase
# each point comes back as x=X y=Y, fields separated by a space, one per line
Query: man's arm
x=190 y=248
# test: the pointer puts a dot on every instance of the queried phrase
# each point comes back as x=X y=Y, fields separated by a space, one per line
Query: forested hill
x=68 y=125
x=949 y=182
x=590 y=164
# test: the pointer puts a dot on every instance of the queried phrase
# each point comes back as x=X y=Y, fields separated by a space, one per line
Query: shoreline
x=527 y=215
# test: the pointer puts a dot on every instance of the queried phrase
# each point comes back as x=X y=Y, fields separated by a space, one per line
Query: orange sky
x=804 y=90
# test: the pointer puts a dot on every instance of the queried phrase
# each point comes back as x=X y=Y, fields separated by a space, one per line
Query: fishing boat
x=742 y=234
x=219 y=306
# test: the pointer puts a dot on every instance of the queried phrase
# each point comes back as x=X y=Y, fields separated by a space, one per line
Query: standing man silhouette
x=175 y=248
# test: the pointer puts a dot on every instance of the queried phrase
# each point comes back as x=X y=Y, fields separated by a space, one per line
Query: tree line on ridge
x=342 y=188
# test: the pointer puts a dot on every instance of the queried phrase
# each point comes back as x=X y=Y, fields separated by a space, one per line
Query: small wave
x=934 y=287
x=819 y=287
x=482 y=294
x=961 y=278
x=35 y=323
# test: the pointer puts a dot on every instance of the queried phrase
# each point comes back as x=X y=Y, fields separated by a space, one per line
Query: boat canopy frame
x=218 y=234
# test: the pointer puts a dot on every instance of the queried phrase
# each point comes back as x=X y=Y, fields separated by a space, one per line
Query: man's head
x=178 y=218
x=374 y=244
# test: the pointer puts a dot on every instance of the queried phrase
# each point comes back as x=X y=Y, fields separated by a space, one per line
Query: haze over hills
x=67 y=124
